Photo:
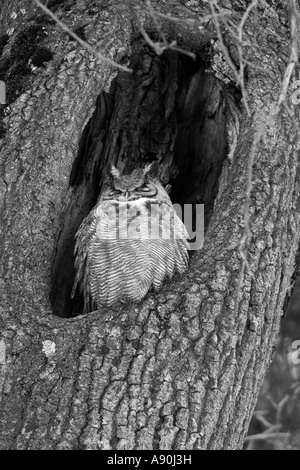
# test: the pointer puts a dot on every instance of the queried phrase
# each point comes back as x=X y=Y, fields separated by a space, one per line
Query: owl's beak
x=125 y=196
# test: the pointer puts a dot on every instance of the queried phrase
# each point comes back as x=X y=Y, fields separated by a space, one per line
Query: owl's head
x=141 y=183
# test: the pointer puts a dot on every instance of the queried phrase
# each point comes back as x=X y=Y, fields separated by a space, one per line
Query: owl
x=131 y=240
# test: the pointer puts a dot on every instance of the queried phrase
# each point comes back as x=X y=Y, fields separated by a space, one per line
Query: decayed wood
x=181 y=370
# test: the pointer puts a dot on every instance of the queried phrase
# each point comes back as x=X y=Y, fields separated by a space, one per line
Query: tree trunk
x=182 y=369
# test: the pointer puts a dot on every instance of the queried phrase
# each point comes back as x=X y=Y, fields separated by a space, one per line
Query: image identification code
x=168 y=459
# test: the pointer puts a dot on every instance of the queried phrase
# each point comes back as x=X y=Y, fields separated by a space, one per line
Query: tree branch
x=84 y=44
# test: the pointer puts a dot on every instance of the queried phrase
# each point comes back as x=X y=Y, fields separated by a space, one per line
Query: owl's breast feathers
x=124 y=248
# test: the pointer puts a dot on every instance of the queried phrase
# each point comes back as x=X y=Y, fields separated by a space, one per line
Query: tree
x=181 y=370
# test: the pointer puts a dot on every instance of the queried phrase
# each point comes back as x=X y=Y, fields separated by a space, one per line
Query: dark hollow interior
x=170 y=109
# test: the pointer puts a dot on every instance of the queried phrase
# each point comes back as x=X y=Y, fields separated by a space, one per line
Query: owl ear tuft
x=151 y=169
x=111 y=172
x=114 y=171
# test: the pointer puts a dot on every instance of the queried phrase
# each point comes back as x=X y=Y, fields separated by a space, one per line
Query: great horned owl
x=130 y=241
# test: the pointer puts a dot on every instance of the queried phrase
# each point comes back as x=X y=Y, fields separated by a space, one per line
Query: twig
x=262 y=420
x=246 y=237
x=230 y=25
x=293 y=53
x=239 y=76
x=220 y=38
x=190 y=21
x=159 y=47
x=78 y=39
x=240 y=50
x=274 y=111
x=245 y=16
x=280 y=407
x=257 y=67
x=155 y=21
x=266 y=436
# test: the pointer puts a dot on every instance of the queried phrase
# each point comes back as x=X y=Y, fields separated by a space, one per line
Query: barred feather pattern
x=125 y=246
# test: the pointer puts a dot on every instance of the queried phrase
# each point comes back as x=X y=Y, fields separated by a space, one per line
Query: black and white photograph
x=149 y=228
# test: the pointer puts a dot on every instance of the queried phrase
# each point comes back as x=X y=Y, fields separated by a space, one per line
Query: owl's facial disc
x=146 y=190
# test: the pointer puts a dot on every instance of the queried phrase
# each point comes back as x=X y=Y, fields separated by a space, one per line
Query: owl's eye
x=143 y=189
x=114 y=192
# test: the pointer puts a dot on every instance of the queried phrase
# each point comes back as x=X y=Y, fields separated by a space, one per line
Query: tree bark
x=182 y=369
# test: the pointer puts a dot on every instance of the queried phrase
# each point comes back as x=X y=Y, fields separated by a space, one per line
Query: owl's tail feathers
x=76 y=284
x=84 y=236
x=81 y=281
x=182 y=255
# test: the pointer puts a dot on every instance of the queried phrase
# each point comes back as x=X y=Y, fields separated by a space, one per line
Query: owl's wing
x=84 y=235
x=168 y=248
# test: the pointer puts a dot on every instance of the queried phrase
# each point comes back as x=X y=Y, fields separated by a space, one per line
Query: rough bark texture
x=181 y=370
